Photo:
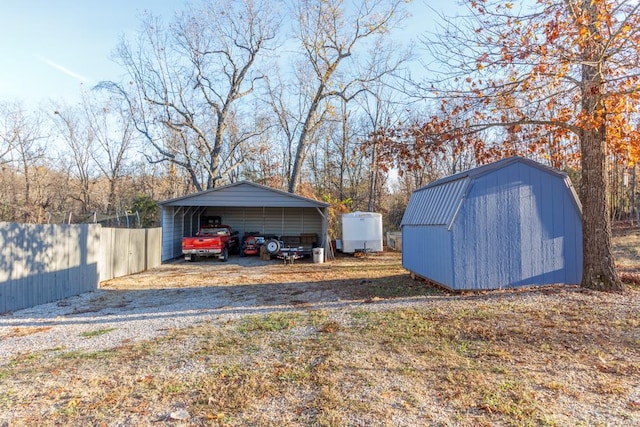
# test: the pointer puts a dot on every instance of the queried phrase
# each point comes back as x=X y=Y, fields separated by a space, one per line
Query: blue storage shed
x=511 y=223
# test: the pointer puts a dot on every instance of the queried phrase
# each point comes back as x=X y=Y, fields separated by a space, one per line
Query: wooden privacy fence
x=125 y=251
x=41 y=263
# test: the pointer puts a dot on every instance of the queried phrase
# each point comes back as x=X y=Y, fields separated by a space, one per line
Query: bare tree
x=8 y=134
x=79 y=140
x=112 y=127
x=287 y=103
x=329 y=34
x=186 y=81
x=21 y=137
x=380 y=109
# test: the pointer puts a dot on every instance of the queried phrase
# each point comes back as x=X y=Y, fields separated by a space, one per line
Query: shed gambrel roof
x=438 y=202
x=244 y=194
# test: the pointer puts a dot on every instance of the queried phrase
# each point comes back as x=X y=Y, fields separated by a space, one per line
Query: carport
x=247 y=207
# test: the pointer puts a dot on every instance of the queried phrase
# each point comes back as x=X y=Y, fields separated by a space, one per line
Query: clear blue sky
x=51 y=49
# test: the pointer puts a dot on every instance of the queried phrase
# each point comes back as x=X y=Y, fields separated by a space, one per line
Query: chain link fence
x=117 y=220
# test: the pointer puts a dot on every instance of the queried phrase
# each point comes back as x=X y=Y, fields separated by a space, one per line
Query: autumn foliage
x=510 y=83
x=556 y=81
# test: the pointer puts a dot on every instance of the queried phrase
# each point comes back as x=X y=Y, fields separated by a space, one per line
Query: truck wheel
x=242 y=254
x=273 y=246
x=225 y=255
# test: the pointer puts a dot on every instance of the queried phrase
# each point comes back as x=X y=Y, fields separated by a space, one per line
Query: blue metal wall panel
x=518 y=227
x=168 y=237
x=572 y=250
x=177 y=222
x=427 y=253
x=486 y=254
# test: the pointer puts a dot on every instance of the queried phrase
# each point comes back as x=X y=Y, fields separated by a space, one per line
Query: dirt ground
x=251 y=282
x=246 y=270
x=341 y=276
x=351 y=342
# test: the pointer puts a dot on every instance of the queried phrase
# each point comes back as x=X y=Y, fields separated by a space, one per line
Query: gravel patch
x=106 y=319
x=179 y=294
x=74 y=323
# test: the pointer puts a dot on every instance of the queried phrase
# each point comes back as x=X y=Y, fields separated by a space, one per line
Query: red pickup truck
x=217 y=241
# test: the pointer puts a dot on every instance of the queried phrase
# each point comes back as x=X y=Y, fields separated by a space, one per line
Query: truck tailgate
x=201 y=243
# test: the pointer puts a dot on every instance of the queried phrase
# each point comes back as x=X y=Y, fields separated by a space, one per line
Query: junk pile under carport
x=251 y=243
x=291 y=248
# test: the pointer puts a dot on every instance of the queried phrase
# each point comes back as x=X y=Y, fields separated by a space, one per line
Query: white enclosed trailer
x=361 y=232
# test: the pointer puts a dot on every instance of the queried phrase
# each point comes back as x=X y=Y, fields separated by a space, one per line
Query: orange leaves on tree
x=523 y=92
x=551 y=32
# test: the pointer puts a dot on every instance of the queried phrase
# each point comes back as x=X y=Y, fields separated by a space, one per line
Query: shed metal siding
x=252 y=221
x=430 y=253
x=518 y=225
x=515 y=230
x=486 y=235
x=172 y=225
x=273 y=221
x=570 y=249
x=270 y=221
x=177 y=222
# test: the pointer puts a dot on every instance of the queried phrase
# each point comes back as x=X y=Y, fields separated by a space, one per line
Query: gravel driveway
x=179 y=294
x=564 y=354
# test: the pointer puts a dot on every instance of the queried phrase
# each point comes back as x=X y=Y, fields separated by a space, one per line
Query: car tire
x=273 y=246
x=225 y=255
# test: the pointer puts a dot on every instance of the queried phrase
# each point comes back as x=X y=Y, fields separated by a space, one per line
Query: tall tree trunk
x=598 y=264
x=373 y=174
x=26 y=217
x=344 y=148
x=301 y=151
x=297 y=164
x=111 y=201
x=632 y=196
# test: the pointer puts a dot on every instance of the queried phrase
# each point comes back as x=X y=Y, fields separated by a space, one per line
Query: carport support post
x=175 y=252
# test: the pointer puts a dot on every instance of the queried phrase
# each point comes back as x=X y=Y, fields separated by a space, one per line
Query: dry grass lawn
x=557 y=356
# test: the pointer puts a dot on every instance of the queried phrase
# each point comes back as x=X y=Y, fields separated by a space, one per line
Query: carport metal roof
x=245 y=194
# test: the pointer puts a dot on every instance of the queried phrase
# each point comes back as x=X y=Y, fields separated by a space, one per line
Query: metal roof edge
x=574 y=194
x=490 y=167
x=253 y=184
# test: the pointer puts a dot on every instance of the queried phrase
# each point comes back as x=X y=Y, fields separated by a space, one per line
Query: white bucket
x=318 y=255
